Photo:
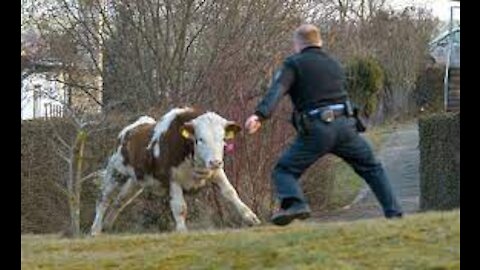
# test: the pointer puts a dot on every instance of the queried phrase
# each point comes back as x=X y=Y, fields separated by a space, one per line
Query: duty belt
x=328 y=113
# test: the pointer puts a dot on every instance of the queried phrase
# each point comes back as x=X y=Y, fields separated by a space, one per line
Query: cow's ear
x=231 y=129
x=187 y=131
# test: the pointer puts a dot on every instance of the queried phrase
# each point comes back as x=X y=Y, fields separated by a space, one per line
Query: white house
x=439 y=47
x=42 y=96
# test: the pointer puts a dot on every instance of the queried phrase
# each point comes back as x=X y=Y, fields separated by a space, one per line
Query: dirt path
x=400 y=157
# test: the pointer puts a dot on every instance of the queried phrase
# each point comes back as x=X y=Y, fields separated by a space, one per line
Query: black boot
x=286 y=215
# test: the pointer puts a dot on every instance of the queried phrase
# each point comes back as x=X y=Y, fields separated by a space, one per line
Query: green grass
x=422 y=241
x=347 y=183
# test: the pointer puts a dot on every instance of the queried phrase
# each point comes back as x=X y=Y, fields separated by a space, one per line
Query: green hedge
x=440 y=161
x=365 y=79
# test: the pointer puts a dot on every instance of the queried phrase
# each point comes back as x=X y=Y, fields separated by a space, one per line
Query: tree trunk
x=75 y=187
x=74 y=207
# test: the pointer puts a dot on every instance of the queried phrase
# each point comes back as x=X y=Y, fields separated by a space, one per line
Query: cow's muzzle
x=215 y=164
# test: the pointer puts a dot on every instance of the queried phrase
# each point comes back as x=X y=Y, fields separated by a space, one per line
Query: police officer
x=324 y=123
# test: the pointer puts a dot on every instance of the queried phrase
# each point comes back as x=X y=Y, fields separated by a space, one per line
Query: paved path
x=400 y=157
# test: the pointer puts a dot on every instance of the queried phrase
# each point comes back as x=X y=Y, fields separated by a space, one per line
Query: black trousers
x=340 y=137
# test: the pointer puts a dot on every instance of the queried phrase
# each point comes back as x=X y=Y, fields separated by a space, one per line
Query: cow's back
x=153 y=149
x=135 y=152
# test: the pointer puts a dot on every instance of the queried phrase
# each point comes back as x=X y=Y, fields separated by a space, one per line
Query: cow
x=183 y=151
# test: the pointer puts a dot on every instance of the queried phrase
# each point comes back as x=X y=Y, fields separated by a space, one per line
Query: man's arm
x=281 y=83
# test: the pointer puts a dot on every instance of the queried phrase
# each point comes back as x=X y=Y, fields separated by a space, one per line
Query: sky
x=440 y=8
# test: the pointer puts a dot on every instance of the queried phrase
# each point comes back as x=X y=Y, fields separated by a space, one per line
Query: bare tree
x=72 y=152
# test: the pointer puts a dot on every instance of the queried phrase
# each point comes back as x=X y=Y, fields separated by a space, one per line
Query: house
x=49 y=86
x=439 y=48
x=43 y=96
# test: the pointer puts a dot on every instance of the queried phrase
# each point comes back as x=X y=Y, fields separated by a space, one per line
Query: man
x=324 y=123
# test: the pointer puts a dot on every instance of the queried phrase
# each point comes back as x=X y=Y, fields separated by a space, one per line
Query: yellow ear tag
x=185 y=133
x=229 y=135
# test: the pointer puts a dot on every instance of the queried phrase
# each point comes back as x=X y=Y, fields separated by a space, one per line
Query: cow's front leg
x=178 y=206
x=229 y=193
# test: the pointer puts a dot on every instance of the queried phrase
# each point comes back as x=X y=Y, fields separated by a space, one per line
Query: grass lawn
x=421 y=241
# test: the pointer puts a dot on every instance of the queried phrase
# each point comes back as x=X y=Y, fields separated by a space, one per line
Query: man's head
x=306 y=35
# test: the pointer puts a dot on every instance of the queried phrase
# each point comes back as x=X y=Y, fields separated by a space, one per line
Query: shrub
x=440 y=161
x=365 y=78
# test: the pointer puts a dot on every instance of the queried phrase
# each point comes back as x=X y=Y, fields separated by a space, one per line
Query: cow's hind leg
x=109 y=186
x=130 y=190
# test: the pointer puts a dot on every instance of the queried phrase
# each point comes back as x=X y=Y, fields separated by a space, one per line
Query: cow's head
x=209 y=132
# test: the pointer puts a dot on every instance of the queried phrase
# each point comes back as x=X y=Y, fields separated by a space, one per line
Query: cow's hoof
x=95 y=233
x=251 y=219
x=96 y=229
x=181 y=229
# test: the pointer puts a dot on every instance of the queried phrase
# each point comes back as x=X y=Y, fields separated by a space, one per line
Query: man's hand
x=252 y=124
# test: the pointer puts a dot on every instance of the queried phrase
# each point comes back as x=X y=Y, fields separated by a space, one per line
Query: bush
x=365 y=78
x=318 y=183
x=428 y=92
x=440 y=161
x=45 y=209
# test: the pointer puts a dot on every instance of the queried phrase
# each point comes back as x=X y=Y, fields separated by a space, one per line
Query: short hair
x=308 y=34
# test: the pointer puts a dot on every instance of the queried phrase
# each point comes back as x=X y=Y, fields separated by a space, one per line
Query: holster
x=298 y=122
x=353 y=111
x=359 y=124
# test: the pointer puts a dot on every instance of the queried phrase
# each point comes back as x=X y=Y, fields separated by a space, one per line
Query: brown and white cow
x=184 y=150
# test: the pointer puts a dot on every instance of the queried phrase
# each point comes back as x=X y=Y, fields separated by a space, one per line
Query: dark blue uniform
x=315 y=83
